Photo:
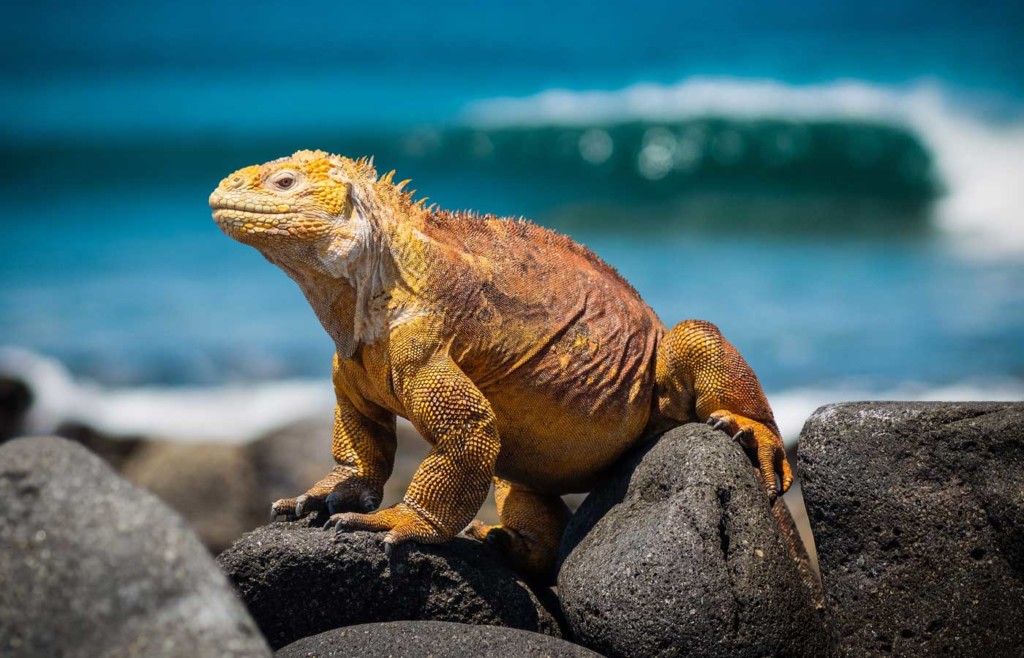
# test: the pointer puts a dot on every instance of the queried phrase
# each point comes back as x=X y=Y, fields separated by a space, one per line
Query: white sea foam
x=227 y=413
x=981 y=163
x=239 y=413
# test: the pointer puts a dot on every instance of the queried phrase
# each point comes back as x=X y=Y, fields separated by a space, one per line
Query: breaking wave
x=230 y=413
x=912 y=143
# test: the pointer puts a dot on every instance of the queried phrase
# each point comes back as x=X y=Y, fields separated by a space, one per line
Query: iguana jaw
x=236 y=220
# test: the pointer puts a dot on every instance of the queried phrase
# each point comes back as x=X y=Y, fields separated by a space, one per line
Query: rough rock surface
x=415 y=639
x=92 y=566
x=918 y=510
x=299 y=580
x=678 y=554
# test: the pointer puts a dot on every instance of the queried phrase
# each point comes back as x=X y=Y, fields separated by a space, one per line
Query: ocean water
x=839 y=187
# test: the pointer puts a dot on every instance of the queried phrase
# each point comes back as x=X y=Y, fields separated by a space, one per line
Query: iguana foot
x=505 y=540
x=478 y=529
x=530 y=532
x=771 y=455
x=511 y=544
x=337 y=492
x=401 y=522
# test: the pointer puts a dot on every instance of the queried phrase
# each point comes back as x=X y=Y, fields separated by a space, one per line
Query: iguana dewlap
x=517 y=353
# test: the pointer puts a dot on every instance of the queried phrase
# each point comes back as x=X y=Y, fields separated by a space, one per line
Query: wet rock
x=678 y=553
x=299 y=580
x=918 y=510
x=415 y=639
x=93 y=566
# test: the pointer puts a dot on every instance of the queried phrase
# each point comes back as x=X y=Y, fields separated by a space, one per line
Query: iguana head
x=306 y=210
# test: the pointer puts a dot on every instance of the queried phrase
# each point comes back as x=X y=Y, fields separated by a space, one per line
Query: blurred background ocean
x=839 y=186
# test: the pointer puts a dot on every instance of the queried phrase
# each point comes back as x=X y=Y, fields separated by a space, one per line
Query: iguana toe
x=477 y=529
x=305 y=504
x=769 y=451
x=716 y=423
x=295 y=508
x=401 y=522
x=284 y=507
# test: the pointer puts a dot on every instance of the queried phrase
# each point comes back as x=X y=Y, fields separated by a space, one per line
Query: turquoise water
x=838 y=187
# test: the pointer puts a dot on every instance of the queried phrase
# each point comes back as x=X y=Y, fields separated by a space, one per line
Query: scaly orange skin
x=516 y=352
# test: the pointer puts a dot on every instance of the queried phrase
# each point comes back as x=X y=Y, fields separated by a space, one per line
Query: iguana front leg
x=363 y=446
x=450 y=485
x=699 y=371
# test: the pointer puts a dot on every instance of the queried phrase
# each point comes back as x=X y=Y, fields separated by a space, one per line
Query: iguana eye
x=284 y=180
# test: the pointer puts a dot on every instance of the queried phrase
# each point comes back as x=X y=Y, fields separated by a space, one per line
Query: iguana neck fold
x=378 y=281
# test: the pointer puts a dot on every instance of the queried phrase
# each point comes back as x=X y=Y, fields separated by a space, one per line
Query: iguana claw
x=715 y=423
x=300 y=504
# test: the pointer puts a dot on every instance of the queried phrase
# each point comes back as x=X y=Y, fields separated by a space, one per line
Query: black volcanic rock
x=416 y=639
x=678 y=553
x=92 y=566
x=918 y=514
x=299 y=580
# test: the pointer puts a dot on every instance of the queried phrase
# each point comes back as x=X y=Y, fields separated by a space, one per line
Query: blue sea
x=840 y=187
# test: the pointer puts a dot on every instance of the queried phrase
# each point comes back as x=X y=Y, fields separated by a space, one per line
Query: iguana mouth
x=242 y=217
x=248 y=207
x=241 y=222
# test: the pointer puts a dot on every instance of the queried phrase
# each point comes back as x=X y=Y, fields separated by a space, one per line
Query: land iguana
x=516 y=352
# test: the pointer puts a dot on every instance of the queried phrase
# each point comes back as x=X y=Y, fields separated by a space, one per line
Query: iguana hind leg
x=700 y=373
x=531 y=528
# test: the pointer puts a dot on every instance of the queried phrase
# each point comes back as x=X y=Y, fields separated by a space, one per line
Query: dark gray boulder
x=439 y=639
x=92 y=566
x=288 y=460
x=918 y=513
x=188 y=477
x=678 y=553
x=299 y=580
